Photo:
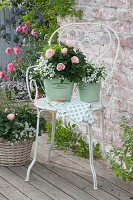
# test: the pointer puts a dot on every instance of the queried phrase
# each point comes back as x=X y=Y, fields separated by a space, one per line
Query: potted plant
x=89 y=87
x=17 y=129
x=60 y=66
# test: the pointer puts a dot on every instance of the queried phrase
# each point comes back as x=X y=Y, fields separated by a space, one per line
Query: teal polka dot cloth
x=76 y=110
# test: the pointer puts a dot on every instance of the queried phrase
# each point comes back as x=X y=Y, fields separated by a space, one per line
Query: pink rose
x=2 y=75
x=64 y=51
x=19 y=44
x=6 y=76
x=24 y=28
x=75 y=59
x=49 y=53
x=45 y=36
x=70 y=44
x=10 y=67
x=8 y=50
x=10 y=116
x=18 y=29
x=27 y=22
x=60 y=67
x=16 y=50
x=33 y=32
x=17 y=64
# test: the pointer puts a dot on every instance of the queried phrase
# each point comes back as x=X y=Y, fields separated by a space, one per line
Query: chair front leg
x=35 y=148
x=91 y=157
x=53 y=133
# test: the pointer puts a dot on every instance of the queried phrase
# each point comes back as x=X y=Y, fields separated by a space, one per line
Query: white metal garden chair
x=84 y=34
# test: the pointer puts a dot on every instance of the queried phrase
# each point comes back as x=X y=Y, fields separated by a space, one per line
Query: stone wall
x=119 y=15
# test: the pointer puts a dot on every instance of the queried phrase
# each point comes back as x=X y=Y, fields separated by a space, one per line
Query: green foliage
x=23 y=124
x=72 y=71
x=95 y=72
x=66 y=138
x=121 y=158
x=43 y=14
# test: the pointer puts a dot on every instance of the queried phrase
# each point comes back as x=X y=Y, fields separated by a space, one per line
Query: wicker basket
x=15 y=155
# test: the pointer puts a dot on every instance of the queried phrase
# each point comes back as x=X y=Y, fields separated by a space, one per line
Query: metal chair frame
x=42 y=105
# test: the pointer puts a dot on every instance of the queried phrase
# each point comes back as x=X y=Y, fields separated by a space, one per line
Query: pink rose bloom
x=33 y=32
x=8 y=50
x=10 y=116
x=60 y=67
x=75 y=60
x=70 y=44
x=2 y=75
x=19 y=44
x=23 y=45
x=64 y=51
x=24 y=28
x=45 y=36
x=16 y=50
x=27 y=22
x=6 y=76
x=18 y=29
x=16 y=64
x=10 y=67
x=49 y=53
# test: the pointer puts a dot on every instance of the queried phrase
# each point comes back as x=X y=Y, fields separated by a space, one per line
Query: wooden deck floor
x=64 y=177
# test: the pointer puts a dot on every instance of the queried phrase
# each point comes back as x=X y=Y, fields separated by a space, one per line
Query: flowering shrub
x=20 y=125
x=62 y=62
x=94 y=73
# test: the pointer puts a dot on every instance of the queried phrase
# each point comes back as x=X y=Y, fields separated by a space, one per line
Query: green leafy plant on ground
x=121 y=158
x=66 y=138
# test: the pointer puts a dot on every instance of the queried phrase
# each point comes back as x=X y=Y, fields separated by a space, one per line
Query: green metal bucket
x=89 y=92
x=56 y=91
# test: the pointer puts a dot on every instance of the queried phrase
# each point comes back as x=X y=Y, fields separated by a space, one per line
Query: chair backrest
x=98 y=42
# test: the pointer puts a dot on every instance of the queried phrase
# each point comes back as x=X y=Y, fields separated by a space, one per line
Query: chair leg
x=35 y=150
x=91 y=157
x=103 y=139
x=53 y=133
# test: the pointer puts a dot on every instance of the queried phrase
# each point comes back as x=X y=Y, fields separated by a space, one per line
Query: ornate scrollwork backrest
x=94 y=34
x=88 y=33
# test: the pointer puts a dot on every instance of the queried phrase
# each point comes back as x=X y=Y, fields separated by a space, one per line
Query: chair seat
x=43 y=104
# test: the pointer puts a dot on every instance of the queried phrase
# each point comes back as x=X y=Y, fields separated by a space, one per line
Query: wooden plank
x=30 y=191
x=78 y=181
x=102 y=169
x=61 y=183
x=100 y=165
x=10 y=192
x=2 y=197
x=44 y=186
x=70 y=163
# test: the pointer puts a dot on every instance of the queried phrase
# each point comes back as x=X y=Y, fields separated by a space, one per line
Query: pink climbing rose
x=3 y=75
x=18 y=29
x=33 y=32
x=16 y=51
x=49 y=53
x=11 y=117
x=10 y=67
x=8 y=50
x=75 y=60
x=60 y=67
